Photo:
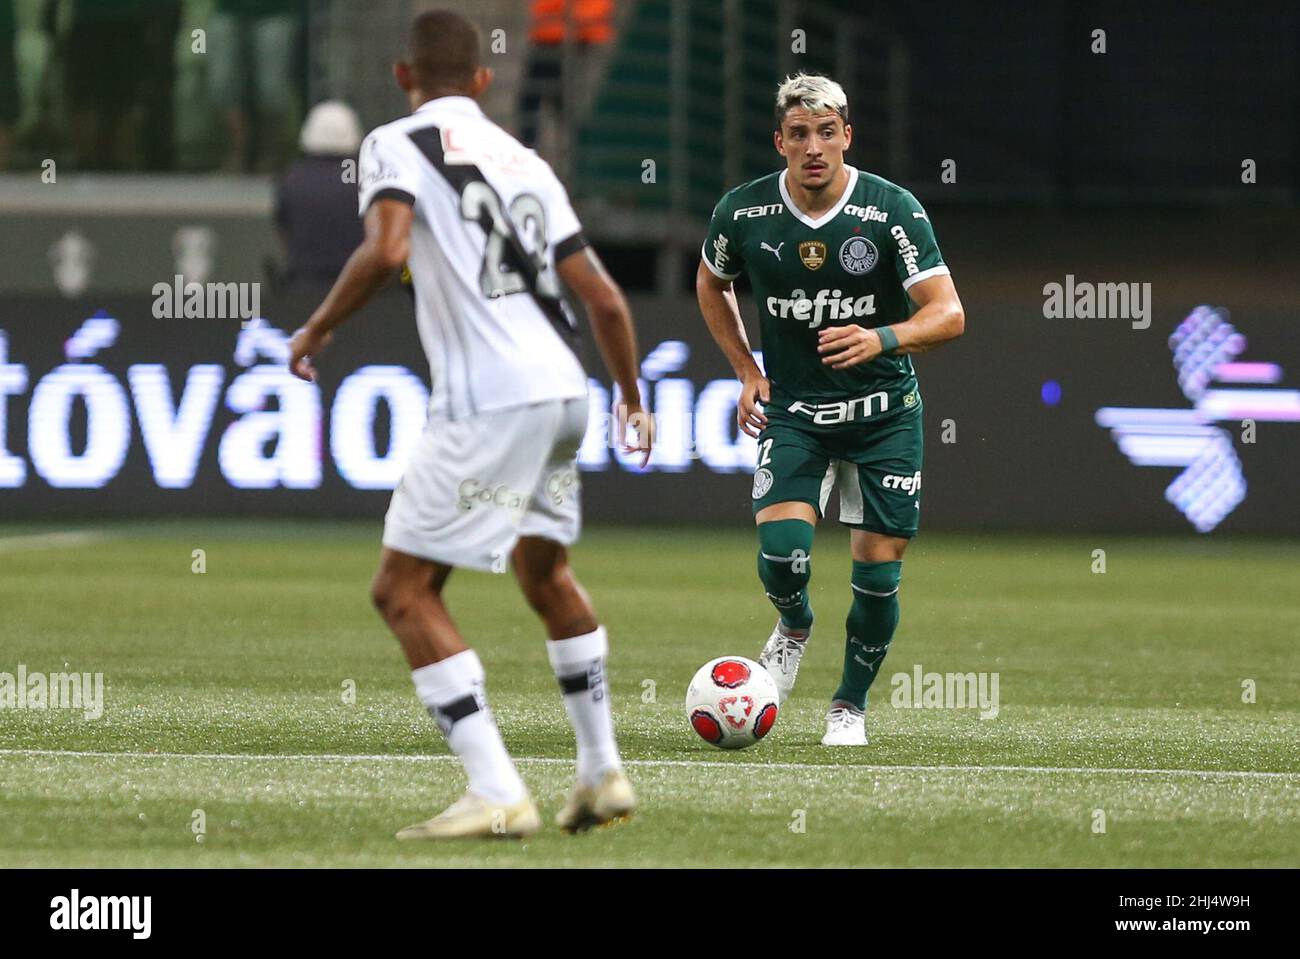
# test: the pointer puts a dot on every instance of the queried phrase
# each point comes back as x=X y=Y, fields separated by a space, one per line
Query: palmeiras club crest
x=858 y=255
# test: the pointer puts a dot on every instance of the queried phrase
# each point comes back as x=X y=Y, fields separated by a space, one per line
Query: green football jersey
x=852 y=265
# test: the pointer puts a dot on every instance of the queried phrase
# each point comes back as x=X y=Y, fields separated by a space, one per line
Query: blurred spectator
x=9 y=105
x=315 y=207
x=586 y=22
x=118 y=71
x=251 y=46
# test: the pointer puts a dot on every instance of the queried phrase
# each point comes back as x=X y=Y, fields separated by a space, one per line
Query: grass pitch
x=1121 y=704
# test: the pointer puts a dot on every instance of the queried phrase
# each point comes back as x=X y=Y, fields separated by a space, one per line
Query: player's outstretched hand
x=845 y=346
x=305 y=344
x=642 y=424
x=754 y=392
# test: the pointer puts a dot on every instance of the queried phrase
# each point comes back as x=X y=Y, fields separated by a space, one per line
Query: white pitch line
x=670 y=763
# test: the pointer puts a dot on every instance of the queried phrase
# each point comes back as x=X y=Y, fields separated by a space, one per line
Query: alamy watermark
x=75 y=912
x=1102 y=301
x=206 y=301
x=36 y=690
x=921 y=690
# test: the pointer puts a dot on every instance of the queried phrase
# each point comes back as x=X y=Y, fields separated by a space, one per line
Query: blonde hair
x=812 y=91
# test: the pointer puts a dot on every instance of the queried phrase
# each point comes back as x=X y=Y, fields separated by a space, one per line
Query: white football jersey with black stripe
x=491 y=220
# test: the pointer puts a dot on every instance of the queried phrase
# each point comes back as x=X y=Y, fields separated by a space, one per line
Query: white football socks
x=452 y=692
x=579 y=665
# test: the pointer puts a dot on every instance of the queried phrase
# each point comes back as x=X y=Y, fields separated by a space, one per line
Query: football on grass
x=732 y=702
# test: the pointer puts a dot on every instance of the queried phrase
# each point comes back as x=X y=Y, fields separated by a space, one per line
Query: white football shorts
x=474 y=485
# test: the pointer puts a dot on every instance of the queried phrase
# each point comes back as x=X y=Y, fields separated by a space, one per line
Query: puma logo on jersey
x=774 y=250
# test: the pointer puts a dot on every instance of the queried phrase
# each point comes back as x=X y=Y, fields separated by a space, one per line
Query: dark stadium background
x=1122 y=166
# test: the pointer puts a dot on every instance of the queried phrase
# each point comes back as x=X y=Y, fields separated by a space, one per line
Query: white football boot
x=845 y=726
x=611 y=800
x=472 y=815
x=781 y=655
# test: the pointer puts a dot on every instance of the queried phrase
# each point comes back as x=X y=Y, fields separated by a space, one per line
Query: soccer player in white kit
x=487 y=232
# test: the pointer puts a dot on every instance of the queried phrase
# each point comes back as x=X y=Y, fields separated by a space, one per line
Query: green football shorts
x=876 y=467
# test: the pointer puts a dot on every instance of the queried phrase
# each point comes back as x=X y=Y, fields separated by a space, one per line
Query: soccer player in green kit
x=849 y=281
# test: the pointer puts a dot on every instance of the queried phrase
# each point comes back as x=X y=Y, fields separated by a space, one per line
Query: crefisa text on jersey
x=823 y=304
x=871 y=213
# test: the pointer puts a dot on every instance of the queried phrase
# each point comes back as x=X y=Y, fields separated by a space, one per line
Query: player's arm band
x=888 y=339
x=392 y=193
x=570 y=244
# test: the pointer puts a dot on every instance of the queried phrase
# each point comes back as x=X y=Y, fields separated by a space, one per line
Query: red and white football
x=732 y=702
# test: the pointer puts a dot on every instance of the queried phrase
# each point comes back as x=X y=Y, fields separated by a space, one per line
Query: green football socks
x=870 y=627
x=785 y=566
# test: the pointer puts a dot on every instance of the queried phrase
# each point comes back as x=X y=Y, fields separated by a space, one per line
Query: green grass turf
x=1137 y=669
